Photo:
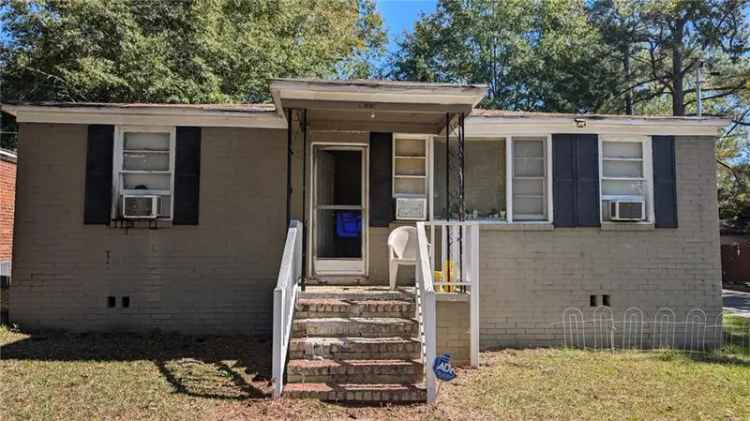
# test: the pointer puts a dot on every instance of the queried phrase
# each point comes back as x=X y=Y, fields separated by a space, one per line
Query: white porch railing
x=458 y=255
x=284 y=300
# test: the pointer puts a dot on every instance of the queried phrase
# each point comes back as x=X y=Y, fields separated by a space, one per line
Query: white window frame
x=117 y=164
x=547 y=147
x=648 y=176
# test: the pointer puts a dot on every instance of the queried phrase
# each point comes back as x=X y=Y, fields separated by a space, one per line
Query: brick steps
x=331 y=307
x=358 y=293
x=358 y=392
x=354 y=348
x=354 y=371
x=355 y=344
x=366 y=327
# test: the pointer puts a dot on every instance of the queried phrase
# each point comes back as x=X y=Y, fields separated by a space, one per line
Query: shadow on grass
x=213 y=367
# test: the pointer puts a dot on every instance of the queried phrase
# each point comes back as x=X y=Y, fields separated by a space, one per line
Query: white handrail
x=284 y=300
x=427 y=311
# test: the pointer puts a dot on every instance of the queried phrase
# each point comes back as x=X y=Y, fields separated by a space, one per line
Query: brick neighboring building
x=7 y=203
x=7 y=207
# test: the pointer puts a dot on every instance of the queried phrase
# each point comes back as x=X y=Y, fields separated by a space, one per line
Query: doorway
x=339 y=210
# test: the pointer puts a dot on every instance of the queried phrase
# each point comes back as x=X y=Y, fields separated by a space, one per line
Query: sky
x=400 y=16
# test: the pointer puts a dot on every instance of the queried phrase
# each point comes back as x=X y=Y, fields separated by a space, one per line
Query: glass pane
x=146 y=141
x=528 y=187
x=527 y=206
x=339 y=177
x=410 y=147
x=410 y=166
x=409 y=185
x=146 y=181
x=623 y=188
x=622 y=150
x=146 y=161
x=623 y=168
x=339 y=233
x=528 y=167
x=484 y=179
x=528 y=148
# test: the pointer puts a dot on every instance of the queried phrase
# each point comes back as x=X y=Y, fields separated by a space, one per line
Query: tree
x=179 y=51
x=671 y=40
x=538 y=55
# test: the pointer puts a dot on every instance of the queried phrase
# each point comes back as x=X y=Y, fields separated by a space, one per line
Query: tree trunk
x=678 y=94
x=629 y=93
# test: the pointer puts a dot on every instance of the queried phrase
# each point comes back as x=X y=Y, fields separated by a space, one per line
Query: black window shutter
x=575 y=176
x=665 y=184
x=564 y=180
x=97 y=209
x=381 y=198
x=587 y=181
x=187 y=176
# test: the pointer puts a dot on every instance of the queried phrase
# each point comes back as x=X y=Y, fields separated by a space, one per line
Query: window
x=506 y=179
x=144 y=166
x=625 y=178
x=484 y=179
x=529 y=175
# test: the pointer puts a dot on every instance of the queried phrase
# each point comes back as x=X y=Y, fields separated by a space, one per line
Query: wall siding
x=528 y=278
x=216 y=277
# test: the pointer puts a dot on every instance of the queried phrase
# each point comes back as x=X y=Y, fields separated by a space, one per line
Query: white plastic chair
x=402 y=250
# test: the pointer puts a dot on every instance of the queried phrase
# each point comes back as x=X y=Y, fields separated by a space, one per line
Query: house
x=735 y=249
x=186 y=217
x=7 y=201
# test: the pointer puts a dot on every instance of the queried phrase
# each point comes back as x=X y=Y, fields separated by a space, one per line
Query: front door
x=339 y=210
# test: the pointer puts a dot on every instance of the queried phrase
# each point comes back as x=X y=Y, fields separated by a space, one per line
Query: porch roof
x=375 y=105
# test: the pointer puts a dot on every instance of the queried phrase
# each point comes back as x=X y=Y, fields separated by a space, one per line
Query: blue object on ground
x=443 y=369
x=348 y=224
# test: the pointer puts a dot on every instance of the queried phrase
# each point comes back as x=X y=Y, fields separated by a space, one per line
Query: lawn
x=74 y=377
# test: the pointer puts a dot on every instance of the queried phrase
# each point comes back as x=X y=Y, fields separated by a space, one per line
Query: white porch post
x=473 y=246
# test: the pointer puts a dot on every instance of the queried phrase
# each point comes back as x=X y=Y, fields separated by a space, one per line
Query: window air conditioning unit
x=140 y=207
x=627 y=209
x=411 y=208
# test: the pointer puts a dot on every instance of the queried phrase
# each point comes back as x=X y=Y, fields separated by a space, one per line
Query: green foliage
x=539 y=55
x=180 y=51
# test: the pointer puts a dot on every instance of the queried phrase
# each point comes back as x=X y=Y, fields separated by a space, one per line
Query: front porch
x=361 y=164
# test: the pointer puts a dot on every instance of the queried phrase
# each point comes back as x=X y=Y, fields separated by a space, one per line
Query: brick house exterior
x=7 y=202
x=7 y=207
x=216 y=273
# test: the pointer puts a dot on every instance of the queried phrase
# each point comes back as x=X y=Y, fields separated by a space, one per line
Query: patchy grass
x=736 y=336
x=72 y=377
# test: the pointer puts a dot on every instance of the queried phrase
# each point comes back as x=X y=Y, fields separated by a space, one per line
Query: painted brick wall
x=528 y=278
x=216 y=277
x=453 y=331
x=7 y=204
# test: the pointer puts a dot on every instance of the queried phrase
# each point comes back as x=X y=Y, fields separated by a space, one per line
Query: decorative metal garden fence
x=696 y=332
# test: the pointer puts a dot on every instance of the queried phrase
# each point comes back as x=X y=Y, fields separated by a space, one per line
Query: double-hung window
x=144 y=166
x=529 y=198
x=625 y=169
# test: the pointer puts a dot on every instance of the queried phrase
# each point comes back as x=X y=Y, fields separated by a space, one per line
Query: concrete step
x=358 y=293
x=330 y=307
x=354 y=348
x=358 y=392
x=366 y=327
x=354 y=371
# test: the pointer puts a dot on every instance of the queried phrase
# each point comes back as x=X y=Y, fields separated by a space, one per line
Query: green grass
x=73 y=377
x=736 y=336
